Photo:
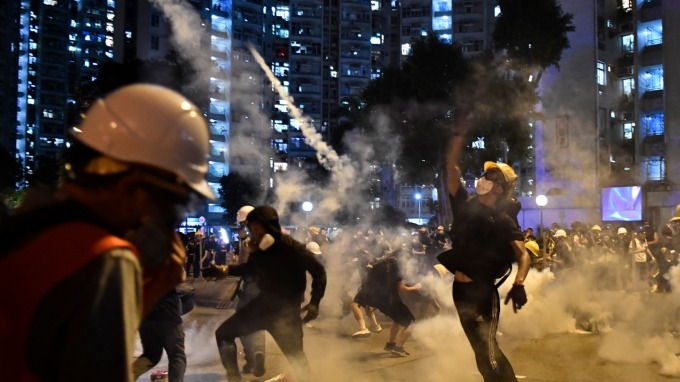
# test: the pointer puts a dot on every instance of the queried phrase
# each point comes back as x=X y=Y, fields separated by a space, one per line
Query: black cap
x=268 y=217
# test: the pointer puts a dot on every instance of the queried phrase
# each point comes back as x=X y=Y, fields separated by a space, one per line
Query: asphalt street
x=439 y=351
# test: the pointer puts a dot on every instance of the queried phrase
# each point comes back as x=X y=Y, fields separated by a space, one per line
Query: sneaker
x=399 y=351
x=375 y=328
x=389 y=346
x=361 y=333
x=283 y=377
x=258 y=369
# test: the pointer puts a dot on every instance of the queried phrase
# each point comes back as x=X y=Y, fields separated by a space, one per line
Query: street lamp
x=307 y=207
x=418 y=197
x=542 y=201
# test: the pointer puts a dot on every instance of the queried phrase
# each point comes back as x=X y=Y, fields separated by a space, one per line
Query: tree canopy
x=533 y=32
x=236 y=191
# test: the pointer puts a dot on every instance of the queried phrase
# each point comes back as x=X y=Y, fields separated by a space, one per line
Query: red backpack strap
x=32 y=270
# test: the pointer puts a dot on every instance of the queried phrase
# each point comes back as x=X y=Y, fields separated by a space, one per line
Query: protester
x=280 y=264
x=484 y=242
x=247 y=289
x=162 y=330
x=102 y=249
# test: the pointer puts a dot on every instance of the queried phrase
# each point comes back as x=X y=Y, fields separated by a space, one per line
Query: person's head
x=146 y=147
x=497 y=181
x=560 y=234
x=314 y=248
x=241 y=215
x=261 y=221
x=440 y=229
x=621 y=232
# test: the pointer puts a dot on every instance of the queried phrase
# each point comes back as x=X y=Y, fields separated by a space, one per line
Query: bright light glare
x=307 y=206
x=541 y=200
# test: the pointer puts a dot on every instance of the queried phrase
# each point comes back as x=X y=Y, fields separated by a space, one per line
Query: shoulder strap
x=37 y=266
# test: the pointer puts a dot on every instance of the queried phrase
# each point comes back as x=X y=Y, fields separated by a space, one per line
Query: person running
x=485 y=241
x=280 y=264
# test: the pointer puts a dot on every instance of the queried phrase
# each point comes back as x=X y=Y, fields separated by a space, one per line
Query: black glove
x=312 y=312
x=215 y=271
x=518 y=296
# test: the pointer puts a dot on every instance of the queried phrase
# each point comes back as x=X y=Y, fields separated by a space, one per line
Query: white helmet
x=242 y=213
x=313 y=247
x=154 y=126
x=560 y=233
x=622 y=231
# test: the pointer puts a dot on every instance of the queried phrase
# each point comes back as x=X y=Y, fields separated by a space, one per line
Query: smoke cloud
x=636 y=326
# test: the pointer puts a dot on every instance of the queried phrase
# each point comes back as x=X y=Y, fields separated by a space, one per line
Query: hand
x=518 y=297
x=312 y=312
x=461 y=120
x=215 y=271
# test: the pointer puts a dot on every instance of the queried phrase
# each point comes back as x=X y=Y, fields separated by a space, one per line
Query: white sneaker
x=283 y=377
x=375 y=328
x=361 y=333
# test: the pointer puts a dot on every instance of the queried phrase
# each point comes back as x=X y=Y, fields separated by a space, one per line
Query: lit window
x=405 y=49
x=628 y=130
x=601 y=74
x=497 y=11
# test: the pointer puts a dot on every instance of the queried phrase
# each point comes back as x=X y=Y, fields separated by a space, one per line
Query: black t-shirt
x=481 y=238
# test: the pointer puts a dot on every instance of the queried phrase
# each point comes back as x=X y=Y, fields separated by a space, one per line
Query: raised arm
x=454 y=150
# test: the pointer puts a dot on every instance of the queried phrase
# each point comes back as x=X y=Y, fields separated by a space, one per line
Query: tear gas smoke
x=636 y=327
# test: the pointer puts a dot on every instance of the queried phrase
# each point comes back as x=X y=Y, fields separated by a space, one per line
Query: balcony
x=653 y=145
x=652 y=55
x=652 y=101
x=651 y=10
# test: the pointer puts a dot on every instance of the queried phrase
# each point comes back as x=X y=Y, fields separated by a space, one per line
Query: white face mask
x=483 y=186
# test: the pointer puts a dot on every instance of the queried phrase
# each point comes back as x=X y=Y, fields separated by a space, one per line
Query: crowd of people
x=632 y=256
x=106 y=259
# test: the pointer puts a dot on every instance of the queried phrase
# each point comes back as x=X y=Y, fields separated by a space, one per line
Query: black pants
x=280 y=318
x=254 y=342
x=478 y=307
x=157 y=335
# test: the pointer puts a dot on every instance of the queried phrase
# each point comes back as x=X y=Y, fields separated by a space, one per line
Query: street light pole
x=418 y=197
x=307 y=206
x=542 y=201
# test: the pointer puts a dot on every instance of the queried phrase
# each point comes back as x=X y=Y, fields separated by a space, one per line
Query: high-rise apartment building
x=609 y=115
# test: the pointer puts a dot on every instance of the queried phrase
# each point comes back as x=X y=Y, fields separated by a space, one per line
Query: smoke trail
x=327 y=157
x=187 y=35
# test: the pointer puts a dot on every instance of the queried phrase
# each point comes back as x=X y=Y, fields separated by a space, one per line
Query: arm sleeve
x=86 y=325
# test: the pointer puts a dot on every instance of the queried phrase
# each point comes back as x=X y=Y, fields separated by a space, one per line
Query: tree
x=10 y=175
x=419 y=102
x=533 y=32
x=236 y=191
x=421 y=99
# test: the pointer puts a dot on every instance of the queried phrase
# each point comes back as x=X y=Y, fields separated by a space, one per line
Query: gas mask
x=483 y=186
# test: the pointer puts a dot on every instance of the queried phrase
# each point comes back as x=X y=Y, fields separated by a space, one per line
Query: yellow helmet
x=533 y=247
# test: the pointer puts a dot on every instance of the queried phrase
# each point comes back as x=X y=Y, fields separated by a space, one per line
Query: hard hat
x=596 y=228
x=622 y=231
x=560 y=233
x=533 y=247
x=313 y=247
x=507 y=171
x=153 y=126
x=676 y=215
x=440 y=228
x=242 y=213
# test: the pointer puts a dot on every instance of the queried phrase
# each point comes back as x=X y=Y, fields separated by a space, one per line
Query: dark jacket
x=281 y=269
